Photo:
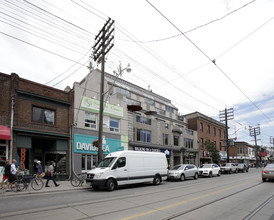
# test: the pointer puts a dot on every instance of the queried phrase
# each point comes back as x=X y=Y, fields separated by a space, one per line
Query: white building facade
x=134 y=119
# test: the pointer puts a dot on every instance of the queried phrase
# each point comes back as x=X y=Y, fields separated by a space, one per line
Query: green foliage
x=213 y=152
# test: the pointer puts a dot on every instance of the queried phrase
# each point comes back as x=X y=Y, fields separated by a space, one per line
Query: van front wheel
x=111 y=185
x=157 y=180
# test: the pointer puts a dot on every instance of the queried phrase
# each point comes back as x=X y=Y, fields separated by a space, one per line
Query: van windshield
x=107 y=162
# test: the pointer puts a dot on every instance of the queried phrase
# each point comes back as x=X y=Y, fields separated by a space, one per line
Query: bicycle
x=23 y=183
x=78 y=180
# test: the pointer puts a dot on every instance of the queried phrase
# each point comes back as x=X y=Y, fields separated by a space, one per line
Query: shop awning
x=4 y=132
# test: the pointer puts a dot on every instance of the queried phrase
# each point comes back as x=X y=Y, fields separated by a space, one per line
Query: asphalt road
x=230 y=196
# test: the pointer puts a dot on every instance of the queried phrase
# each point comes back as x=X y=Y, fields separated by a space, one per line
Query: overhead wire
x=254 y=104
x=198 y=27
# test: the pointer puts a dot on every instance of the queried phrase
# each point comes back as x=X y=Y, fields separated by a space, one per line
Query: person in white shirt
x=13 y=171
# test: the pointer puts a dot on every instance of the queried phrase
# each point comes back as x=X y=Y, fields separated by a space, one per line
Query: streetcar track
x=74 y=205
x=254 y=212
x=209 y=203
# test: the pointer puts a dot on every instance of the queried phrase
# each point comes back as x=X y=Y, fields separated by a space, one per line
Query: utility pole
x=103 y=44
x=225 y=115
x=253 y=132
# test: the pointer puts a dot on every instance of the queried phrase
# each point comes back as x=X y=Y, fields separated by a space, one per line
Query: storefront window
x=3 y=155
x=88 y=161
x=60 y=161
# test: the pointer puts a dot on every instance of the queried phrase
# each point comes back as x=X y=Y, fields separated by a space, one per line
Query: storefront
x=30 y=149
x=85 y=154
x=4 y=144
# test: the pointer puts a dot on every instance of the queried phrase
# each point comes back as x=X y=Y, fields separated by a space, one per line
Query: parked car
x=209 y=170
x=268 y=172
x=182 y=172
x=242 y=167
x=229 y=168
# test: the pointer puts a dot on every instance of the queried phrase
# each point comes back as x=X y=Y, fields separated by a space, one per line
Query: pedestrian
x=51 y=174
x=6 y=174
x=12 y=175
x=39 y=169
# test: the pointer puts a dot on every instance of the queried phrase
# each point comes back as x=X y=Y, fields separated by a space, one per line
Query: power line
x=213 y=61
x=66 y=58
x=198 y=27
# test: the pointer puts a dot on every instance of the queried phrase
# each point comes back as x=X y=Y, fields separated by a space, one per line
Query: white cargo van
x=128 y=167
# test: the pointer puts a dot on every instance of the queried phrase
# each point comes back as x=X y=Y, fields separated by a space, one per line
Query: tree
x=213 y=152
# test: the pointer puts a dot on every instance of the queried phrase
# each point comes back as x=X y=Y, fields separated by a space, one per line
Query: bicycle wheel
x=37 y=183
x=75 y=181
x=16 y=186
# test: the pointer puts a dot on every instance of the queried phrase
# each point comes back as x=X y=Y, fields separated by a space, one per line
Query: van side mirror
x=115 y=166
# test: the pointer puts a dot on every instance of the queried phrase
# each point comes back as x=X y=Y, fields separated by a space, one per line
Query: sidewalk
x=64 y=186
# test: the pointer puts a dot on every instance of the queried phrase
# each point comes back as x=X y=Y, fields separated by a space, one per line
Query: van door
x=120 y=171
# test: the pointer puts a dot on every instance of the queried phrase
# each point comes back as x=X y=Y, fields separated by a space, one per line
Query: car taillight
x=265 y=171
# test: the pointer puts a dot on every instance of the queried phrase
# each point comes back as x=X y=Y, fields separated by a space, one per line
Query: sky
x=203 y=55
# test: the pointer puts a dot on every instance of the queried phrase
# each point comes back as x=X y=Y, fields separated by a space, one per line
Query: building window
x=176 y=140
x=202 y=143
x=201 y=127
x=122 y=91
x=220 y=133
x=143 y=135
x=114 y=124
x=90 y=120
x=132 y=102
x=160 y=111
x=169 y=109
x=88 y=161
x=190 y=132
x=143 y=120
x=149 y=101
x=165 y=139
x=208 y=129
x=188 y=143
x=214 y=132
x=43 y=115
x=240 y=150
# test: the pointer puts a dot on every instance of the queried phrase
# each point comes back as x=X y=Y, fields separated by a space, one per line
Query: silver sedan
x=268 y=172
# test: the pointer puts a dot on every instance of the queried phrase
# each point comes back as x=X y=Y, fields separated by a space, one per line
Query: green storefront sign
x=93 y=105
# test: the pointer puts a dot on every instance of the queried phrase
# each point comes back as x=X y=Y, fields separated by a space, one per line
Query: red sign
x=263 y=154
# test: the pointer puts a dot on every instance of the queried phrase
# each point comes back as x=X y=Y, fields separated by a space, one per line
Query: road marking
x=186 y=201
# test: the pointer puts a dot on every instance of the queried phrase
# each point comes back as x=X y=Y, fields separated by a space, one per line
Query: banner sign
x=93 y=105
x=149 y=149
x=83 y=144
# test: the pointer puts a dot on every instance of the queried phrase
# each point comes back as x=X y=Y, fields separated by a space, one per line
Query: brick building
x=207 y=129
x=39 y=118
x=242 y=152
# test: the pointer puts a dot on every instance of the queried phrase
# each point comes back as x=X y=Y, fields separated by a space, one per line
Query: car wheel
x=236 y=171
x=196 y=176
x=230 y=171
x=264 y=179
x=210 y=174
x=219 y=173
x=182 y=177
x=111 y=185
x=157 y=180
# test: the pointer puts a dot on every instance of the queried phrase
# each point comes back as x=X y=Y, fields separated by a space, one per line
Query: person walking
x=12 y=175
x=6 y=174
x=51 y=175
x=39 y=169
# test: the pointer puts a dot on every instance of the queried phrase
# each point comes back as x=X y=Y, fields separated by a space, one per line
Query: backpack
x=7 y=169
